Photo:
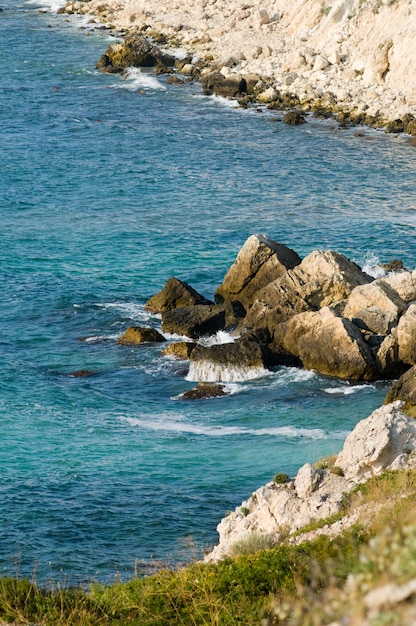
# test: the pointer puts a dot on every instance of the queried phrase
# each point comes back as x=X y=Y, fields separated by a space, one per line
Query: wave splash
x=210 y=372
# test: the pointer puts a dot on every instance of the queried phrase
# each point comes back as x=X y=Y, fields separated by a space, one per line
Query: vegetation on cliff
x=362 y=576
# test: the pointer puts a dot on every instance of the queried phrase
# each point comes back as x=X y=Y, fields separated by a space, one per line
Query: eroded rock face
x=404 y=283
x=138 y=334
x=259 y=262
x=385 y=440
x=175 y=294
x=329 y=344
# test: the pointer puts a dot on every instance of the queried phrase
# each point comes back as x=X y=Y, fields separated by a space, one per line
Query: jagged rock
x=404 y=389
x=375 y=307
x=396 y=265
x=329 y=344
x=227 y=87
x=203 y=391
x=175 y=294
x=237 y=361
x=137 y=334
x=321 y=279
x=385 y=440
x=180 y=349
x=406 y=335
x=194 y=321
x=382 y=441
x=136 y=51
x=404 y=283
x=259 y=262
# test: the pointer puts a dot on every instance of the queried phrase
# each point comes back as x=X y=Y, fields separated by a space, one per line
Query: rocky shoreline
x=322 y=312
x=350 y=61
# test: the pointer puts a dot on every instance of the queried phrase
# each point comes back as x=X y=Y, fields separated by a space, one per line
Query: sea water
x=109 y=185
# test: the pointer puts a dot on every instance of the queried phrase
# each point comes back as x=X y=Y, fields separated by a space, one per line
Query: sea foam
x=209 y=372
x=134 y=80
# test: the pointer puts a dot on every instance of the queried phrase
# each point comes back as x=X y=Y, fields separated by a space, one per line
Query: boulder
x=404 y=389
x=382 y=441
x=227 y=87
x=329 y=344
x=179 y=350
x=375 y=307
x=137 y=334
x=404 y=283
x=194 y=321
x=321 y=279
x=259 y=262
x=204 y=391
x=175 y=294
x=136 y=51
x=243 y=360
x=406 y=336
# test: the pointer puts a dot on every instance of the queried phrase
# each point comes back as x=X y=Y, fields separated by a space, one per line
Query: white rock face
x=378 y=443
x=360 y=49
x=385 y=440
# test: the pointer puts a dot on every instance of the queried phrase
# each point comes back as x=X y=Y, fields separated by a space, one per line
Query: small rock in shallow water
x=203 y=391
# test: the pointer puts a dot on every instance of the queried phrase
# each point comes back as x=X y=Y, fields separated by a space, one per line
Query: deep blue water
x=109 y=186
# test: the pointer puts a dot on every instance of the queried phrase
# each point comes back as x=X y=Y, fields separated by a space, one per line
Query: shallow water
x=108 y=187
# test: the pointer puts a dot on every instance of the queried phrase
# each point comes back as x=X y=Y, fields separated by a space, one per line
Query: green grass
x=282 y=584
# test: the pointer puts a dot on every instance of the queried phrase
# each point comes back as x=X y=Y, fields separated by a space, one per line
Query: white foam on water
x=95 y=338
x=346 y=390
x=131 y=310
x=175 y=424
x=371 y=266
x=289 y=375
x=209 y=372
x=134 y=79
x=48 y=5
x=219 y=338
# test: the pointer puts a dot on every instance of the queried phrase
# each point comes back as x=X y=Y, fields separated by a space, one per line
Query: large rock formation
x=136 y=51
x=385 y=440
x=259 y=262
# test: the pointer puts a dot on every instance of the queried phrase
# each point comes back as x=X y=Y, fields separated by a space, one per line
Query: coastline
x=350 y=60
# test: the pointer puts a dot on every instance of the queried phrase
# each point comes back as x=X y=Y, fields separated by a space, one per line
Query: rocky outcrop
x=136 y=51
x=323 y=313
x=138 y=334
x=259 y=262
x=179 y=349
x=321 y=279
x=175 y=294
x=385 y=440
x=220 y=85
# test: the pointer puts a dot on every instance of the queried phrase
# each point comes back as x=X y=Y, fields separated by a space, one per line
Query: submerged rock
x=204 y=391
x=138 y=334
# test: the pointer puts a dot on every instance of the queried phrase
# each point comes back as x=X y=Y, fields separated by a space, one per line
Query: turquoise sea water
x=109 y=186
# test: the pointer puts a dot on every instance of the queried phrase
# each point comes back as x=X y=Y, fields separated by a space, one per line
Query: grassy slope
x=317 y=582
